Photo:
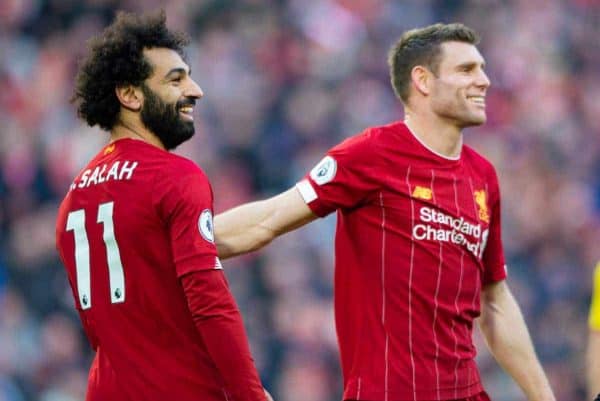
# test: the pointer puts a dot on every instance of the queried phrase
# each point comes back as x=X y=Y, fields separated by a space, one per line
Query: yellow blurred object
x=595 y=308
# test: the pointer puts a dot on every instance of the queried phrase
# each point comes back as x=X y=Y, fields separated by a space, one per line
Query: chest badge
x=109 y=149
x=481 y=201
x=422 y=193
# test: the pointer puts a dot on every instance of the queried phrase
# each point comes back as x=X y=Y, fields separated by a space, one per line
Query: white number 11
x=76 y=223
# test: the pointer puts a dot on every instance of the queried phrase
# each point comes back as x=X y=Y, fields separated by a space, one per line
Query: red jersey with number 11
x=137 y=221
x=418 y=235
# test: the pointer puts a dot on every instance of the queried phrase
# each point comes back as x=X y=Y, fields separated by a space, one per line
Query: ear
x=421 y=79
x=130 y=97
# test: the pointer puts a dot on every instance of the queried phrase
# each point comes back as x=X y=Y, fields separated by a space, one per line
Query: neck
x=132 y=130
x=436 y=134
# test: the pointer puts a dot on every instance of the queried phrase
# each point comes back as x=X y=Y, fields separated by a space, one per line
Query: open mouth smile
x=478 y=100
x=186 y=111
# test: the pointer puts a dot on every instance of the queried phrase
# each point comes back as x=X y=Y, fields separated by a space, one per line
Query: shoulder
x=162 y=163
x=180 y=184
x=479 y=162
x=369 y=140
x=178 y=168
x=482 y=168
x=180 y=180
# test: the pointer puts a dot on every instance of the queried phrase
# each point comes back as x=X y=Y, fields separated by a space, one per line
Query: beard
x=459 y=112
x=164 y=121
x=453 y=106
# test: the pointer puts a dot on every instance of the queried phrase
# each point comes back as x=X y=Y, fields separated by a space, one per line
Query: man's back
x=124 y=251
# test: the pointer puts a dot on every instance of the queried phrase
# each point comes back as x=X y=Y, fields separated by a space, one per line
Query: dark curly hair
x=116 y=59
x=422 y=47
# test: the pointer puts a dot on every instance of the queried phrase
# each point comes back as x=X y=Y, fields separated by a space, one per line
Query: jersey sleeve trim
x=306 y=191
x=497 y=275
x=198 y=263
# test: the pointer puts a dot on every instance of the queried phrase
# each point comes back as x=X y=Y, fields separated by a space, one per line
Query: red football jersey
x=418 y=234
x=135 y=221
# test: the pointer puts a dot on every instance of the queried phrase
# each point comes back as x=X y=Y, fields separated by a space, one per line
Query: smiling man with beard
x=135 y=232
x=165 y=120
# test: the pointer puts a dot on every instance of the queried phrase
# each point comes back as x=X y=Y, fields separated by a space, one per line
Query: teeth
x=477 y=99
x=186 y=109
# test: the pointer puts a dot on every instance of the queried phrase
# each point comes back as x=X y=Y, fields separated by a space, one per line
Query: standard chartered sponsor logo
x=454 y=230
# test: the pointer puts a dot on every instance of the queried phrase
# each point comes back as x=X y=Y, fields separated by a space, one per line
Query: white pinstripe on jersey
x=387 y=336
x=476 y=292
x=435 y=298
x=462 y=256
x=410 y=276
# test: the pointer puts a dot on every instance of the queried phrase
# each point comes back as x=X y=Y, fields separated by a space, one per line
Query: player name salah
x=117 y=171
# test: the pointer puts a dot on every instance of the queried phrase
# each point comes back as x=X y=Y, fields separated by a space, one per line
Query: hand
x=269 y=398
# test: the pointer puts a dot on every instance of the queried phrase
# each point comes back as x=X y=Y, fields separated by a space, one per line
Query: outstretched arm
x=506 y=335
x=593 y=363
x=251 y=226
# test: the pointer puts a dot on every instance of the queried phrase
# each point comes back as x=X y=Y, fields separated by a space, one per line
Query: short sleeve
x=185 y=203
x=594 y=319
x=493 y=256
x=344 y=178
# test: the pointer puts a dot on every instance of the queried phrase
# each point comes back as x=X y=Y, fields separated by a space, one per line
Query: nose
x=483 y=80
x=194 y=90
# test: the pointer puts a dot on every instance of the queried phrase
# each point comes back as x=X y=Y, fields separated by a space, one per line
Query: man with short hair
x=135 y=232
x=418 y=252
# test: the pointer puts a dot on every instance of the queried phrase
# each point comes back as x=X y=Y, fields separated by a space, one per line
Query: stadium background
x=283 y=81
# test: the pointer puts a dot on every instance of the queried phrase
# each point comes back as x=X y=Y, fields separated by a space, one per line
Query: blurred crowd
x=284 y=80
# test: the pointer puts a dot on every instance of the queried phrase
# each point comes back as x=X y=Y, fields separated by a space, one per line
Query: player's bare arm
x=251 y=226
x=593 y=363
x=508 y=339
